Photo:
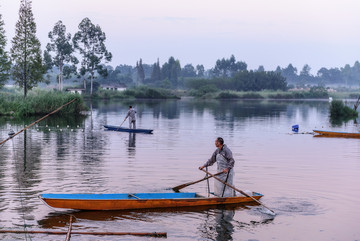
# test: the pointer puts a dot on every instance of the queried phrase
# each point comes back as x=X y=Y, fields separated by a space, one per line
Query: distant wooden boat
x=125 y=201
x=337 y=134
x=118 y=128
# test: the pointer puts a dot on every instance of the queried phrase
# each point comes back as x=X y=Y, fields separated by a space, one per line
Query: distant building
x=76 y=90
x=117 y=87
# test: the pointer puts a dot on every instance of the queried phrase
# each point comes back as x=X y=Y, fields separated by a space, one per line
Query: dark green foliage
x=339 y=110
x=5 y=63
x=40 y=103
x=234 y=95
x=171 y=71
x=228 y=67
x=149 y=93
x=188 y=71
x=28 y=68
x=141 y=92
x=251 y=95
x=90 y=41
x=60 y=44
x=316 y=92
x=203 y=90
x=242 y=81
x=140 y=71
x=227 y=95
x=156 y=72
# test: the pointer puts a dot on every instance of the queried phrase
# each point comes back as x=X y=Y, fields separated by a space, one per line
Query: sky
x=320 y=33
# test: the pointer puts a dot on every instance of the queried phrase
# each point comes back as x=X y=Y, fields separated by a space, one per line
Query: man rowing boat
x=225 y=163
x=132 y=117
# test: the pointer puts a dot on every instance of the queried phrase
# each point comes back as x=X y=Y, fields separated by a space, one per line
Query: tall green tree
x=188 y=71
x=171 y=71
x=5 y=63
x=140 y=71
x=61 y=45
x=90 y=41
x=156 y=72
x=228 y=67
x=28 y=68
x=200 y=69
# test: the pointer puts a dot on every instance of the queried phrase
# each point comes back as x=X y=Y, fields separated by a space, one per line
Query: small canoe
x=133 y=201
x=337 y=134
x=118 y=128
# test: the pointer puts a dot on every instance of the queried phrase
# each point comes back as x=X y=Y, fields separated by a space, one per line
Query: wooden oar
x=243 y=193
x=177 y=188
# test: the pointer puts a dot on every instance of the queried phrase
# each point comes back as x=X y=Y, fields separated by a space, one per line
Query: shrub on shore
x=239 y=95
x=142 y=92
x=339 y=110
x=40 y=102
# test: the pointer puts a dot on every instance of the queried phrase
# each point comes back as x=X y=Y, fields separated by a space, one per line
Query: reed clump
x=40 y=102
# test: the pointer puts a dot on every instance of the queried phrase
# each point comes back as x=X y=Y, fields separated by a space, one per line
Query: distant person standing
x=132 y=117
x=225 y=163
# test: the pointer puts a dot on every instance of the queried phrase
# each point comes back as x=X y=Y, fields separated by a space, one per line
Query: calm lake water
x=313 y=184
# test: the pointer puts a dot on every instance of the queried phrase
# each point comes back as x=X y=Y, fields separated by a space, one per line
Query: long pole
x=154 y=234
x=38 y=121
x=68 y=234
x=243 y=193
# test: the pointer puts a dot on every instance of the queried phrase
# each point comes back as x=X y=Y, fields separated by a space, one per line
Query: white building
x=118 y=87
x=76 y=90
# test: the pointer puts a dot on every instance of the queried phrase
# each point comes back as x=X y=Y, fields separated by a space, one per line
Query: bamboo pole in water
x=68 y=235
x=154 y=234
x=38 y=121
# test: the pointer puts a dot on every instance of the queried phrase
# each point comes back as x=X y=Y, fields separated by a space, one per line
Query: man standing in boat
x=132 y=117
x=225 y=163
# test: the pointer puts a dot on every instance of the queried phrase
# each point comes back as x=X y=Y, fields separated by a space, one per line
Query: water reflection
x=217 y=224
x=132 y=144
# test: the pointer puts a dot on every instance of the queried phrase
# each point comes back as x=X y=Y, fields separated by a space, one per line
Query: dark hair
x=220 y=140
x=130 y=106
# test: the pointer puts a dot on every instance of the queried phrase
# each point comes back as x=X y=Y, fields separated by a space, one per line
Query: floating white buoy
x=49 y=130
x=57 y=126
x=71 y=129
x=60 y=129
x=68 y=126
x=46 y=126
x=77 y=126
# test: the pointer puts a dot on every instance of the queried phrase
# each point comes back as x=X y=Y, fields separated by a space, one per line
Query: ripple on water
x=291 y=206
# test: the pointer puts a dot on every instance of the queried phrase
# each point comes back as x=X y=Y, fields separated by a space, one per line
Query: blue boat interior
x=120 y=196
x=125 y=196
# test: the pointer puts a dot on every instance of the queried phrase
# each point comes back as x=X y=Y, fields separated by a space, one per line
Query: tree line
x=27 y=65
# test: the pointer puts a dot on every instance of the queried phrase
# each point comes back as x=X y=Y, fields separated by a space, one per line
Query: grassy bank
x=39 y=102
x=209 y=92
x=142 y=92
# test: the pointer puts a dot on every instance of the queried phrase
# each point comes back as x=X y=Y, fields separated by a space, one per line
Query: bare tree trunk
x=61 y=77
x=357 y=103
x=91 y=85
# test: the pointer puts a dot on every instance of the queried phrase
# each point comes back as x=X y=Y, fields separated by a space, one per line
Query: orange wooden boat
x=124 y=201
x=336 y=134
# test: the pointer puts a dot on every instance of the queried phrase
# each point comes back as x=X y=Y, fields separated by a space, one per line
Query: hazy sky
x=321 y=33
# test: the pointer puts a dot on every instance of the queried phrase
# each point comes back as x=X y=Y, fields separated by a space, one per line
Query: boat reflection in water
x=215 y=222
